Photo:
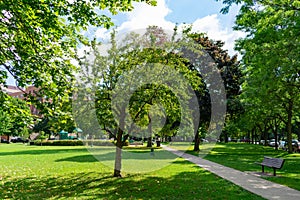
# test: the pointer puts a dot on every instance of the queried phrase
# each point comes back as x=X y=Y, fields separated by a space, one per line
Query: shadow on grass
x=243 y=157
x=190 y=184
x=43 y=151
x=83 y=158
x=109 y=155
x=36 y=150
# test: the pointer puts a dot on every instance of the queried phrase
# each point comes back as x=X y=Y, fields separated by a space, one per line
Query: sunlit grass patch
x=38 y=172
x=242 y=156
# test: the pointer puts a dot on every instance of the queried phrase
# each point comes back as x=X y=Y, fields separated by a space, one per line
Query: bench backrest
x=273 y=162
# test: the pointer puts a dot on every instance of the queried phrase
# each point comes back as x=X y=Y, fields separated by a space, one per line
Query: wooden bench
x=275 y=163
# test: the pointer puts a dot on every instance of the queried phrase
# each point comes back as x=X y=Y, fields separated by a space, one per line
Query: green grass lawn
x=243 y=156
x=40 y=172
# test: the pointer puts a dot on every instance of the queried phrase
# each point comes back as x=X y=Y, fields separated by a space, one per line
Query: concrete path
x=254 y=184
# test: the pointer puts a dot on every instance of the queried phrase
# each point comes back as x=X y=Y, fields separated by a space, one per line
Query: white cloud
x=145 y=15
x=212 y=26
x=142 y=16
x=102 y=33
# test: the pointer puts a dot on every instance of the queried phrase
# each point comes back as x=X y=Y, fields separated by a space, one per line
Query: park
x=97 y=107
x=56 y=172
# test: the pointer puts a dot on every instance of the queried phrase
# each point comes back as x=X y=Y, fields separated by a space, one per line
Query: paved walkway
x=254 y=184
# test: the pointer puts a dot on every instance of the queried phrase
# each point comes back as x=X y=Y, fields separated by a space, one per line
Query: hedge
x=75 y=143
x=98 y=143
x=59 y=143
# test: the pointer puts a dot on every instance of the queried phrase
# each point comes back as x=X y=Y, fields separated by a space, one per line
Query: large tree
x=230 y=73
x=137 y=83
x=39 y=40
x=271 y=52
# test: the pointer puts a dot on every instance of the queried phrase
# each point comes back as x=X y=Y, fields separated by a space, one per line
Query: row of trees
x=270 y=65
x=151 y=83
x=154 y=84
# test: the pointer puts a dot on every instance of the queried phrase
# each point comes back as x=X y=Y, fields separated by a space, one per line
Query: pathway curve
x=256 y=185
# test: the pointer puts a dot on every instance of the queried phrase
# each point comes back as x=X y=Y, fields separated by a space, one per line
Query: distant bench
x=275 y=163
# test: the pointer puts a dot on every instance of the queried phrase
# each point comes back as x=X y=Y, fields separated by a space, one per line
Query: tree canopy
x=39 y=41
x=140 y=87
x=270 y=57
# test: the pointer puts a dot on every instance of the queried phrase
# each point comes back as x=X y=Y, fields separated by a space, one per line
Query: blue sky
x=203 y=14
x=190 y=10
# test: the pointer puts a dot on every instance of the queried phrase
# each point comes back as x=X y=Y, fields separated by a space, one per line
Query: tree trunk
x=255 y=136
x=118 y=158
x=276 y=140
x=262 y=133
x=265 y=136
x=197 y=142
x=197 y=136
x=276 y=134
x=252 y=136
x=119 y=144
x=248 y=137
x=289 y=126
x=225 y=136
x=149 y=141
x=118 y=162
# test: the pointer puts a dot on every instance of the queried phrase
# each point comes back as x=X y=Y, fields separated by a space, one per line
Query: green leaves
x=38 y=44
x=139 y=81
x=5 y=124
x=270 y=59
x=15 y=115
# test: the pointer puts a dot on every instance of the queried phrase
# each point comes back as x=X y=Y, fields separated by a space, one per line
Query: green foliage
x=229 y=69
x=294 y=136
x=121 y=61
x=124 y=143
x=61 y=119
x=41 y=37
x=202 y=132
x=16 y=115
x=42 y=135
x=134 y=85
x=59 y=143
x=270 y=61
x=5 y=124
x=99 y=143
x=39 y=41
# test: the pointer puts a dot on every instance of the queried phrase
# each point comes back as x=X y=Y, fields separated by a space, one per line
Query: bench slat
x=275 y=163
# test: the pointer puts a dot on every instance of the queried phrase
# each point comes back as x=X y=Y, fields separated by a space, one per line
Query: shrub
x=59 y=143
x=74 y=143
x=125 y=143
x=98 y=143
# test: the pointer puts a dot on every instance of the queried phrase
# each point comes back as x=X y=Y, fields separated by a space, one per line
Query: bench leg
x=274 y=173
x=263 y=169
